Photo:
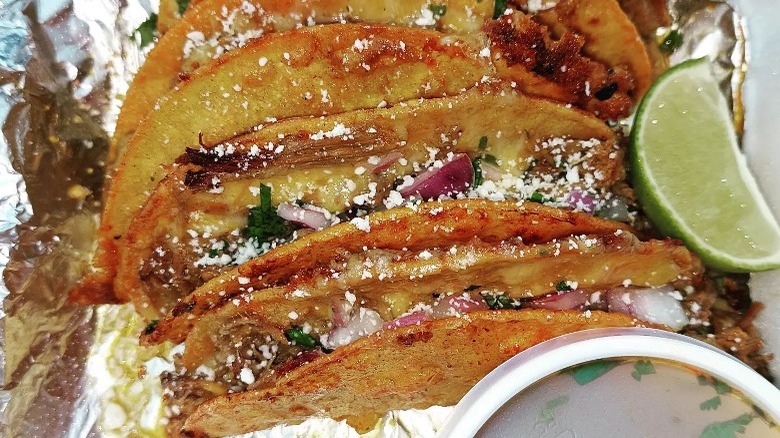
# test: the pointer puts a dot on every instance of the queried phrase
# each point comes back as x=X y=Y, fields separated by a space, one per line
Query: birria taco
x=439 y=260
x=198 y=221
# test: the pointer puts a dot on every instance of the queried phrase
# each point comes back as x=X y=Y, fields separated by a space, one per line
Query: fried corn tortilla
x=210 y=28
x=430 y=225
x=310 y=71
x=433 y=363
x=390 y=282
x=322 y=171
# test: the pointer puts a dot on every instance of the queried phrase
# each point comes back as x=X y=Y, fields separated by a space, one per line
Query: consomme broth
x=630 y=397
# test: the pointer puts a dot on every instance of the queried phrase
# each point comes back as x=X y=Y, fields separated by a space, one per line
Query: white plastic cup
x=549 y=358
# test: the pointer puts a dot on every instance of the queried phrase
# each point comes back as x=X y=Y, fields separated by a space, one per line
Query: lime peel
x=691 y=178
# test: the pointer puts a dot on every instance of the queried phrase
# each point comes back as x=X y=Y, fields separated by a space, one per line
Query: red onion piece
x=491 y=171
x=455 y=176
x=656 y=305
x=309 y=216
x=581 y=200
x=455 y=305
x=362 y=323
x=341 y=309
x=387 y=161
x=410 y=319
x=575 y=299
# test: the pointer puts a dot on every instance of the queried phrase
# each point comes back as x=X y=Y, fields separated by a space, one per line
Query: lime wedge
x=691 y=178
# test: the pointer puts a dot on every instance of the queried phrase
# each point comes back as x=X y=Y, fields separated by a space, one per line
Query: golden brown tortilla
x=433 y=363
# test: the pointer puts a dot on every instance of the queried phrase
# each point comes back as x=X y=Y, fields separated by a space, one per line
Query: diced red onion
x=410 y=319
x=341 y=309
x=362 y=323
x=575 y=299
x=454 y=305
x=581 y=200
x=491 y=171
x=387 y=161
x=455 y=176
x=656 y=305
x=310 y=217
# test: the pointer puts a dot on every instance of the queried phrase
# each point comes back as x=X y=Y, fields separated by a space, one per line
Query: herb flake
x=146 y=32
x=501 y=301
x=264 y=223
x=672 y=42
x=483 y=143
x=149 y=329
x=438 y=10
x=296 y=334
x=499 y=8
x=182 y=4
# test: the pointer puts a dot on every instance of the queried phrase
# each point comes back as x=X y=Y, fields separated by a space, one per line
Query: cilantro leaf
x=264 y=223
x=672 y=42
x=479 y=177
x=149 y=329
x=500 y=7
x=537 y=197
x=501 y=301
x=146 y=32
x=182 y=5
x=296 y=334
x=438 y=10
x=483 y=143
x=562 y=286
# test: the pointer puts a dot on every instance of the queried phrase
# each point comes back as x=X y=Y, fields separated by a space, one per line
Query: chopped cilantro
x=182 y=5
x=471 y=288
x=264 y=223
x=562 y=286
x=438 y=10
x=537 y=197
x=296 y=334
x=501 y=301
x=500 y=8
x=149 y=329
x=479 y=178
x=672 y=42
x=146 y=32
x=483 y=143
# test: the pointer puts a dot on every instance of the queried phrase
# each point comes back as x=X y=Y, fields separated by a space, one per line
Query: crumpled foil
x=64 y=66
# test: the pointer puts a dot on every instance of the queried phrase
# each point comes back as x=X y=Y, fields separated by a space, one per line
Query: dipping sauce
x=632 y=397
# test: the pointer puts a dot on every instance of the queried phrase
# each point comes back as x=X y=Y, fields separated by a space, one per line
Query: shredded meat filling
x=590 y=85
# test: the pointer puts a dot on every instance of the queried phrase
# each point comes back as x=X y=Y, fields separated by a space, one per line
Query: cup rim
x=557 y=354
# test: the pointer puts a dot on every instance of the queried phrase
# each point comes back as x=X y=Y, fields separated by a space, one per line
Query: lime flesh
x=691 y=178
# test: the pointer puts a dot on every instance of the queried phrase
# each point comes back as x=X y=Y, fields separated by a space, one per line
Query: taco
x=196 y=223
x=326 y=290
x=431 y=363
x=215 y=27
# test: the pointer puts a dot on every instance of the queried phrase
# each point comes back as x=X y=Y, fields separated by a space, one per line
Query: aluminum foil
x=64 y=66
